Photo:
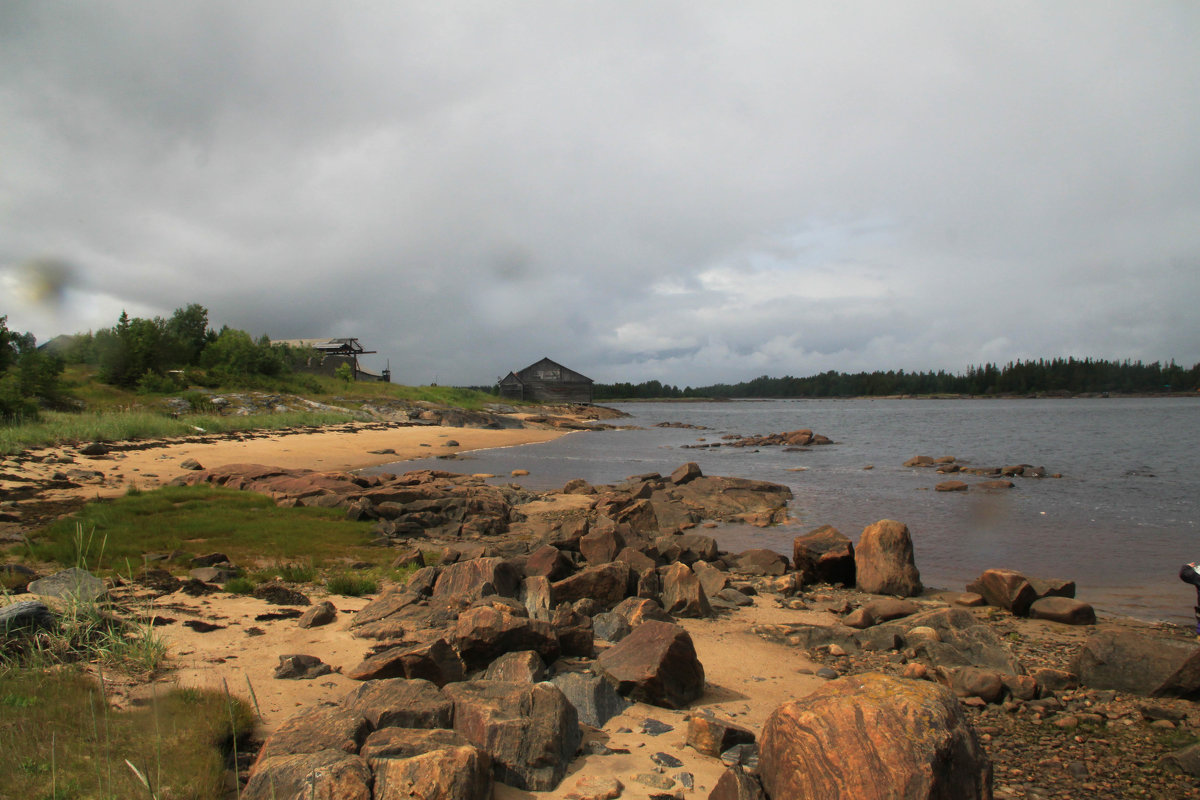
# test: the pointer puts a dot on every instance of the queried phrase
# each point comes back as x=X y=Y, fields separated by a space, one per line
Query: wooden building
x=331 y=354
x=547 y=381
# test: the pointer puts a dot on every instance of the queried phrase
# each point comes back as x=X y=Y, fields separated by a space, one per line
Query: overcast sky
x=687 y=191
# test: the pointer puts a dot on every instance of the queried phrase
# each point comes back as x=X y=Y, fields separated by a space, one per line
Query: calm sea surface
x=1120 y=520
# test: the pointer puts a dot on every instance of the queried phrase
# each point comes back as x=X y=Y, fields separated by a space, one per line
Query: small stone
x=652 y=727
x=666 y=760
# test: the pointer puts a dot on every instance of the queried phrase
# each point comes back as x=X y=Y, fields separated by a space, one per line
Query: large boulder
x=327 y=727
x=601 y=546
x=884 y=560
x=824 y=555
x=656 y=664
x=325 y=773
x=607 y=584
x=682 y=593
x=530 y=731
x=400 y=703
x=451 y=773
x=436 y=662
x=1005 y=588
x=712 y=735
x=595 y=698
x=485 y=632
x=759 y=561
x=1137 y=663
x=1066 y=610
x=547 y=562
x=873 y=737
x=477 y=578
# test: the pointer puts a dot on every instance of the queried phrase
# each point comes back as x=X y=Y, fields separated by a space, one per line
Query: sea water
x=1120 y=521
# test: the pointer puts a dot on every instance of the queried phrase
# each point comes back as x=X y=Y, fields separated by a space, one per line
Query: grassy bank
x=58 y=428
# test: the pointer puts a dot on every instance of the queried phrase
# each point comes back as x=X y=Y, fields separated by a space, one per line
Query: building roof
x=324 y=345
x=546 y=369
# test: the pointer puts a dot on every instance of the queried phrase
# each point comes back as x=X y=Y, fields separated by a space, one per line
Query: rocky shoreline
x=516 y=661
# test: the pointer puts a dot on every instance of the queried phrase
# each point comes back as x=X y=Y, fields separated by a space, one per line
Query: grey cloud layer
x=684 y=191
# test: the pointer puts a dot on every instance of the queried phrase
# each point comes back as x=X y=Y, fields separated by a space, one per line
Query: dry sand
x=345 y=448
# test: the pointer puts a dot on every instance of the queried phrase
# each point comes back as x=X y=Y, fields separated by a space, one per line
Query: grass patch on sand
x=247 y=527
x=59 y=738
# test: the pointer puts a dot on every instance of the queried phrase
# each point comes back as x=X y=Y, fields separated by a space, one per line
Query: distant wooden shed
x=547 y=381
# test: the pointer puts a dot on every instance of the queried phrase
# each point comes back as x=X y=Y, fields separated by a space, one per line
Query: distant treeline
x=1053 y=376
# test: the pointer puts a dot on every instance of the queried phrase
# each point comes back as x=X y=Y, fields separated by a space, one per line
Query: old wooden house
x=547 y=381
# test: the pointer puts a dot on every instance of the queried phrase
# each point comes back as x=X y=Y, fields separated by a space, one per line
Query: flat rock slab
x=74 y=583
x=1066 y=610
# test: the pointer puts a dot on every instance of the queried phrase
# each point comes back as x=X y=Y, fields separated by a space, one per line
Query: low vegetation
x=249 y=528
x=59 y=738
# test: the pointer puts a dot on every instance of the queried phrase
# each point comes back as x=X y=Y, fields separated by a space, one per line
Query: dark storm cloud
x=685 y=191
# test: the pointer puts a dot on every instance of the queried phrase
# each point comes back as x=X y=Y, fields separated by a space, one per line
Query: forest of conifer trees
x=1043 y=376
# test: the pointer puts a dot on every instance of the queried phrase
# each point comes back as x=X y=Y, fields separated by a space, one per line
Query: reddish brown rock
x=409 y=742
x=452 y=773
x=655 y=664
x=574 y=631
x=682 y=594
x=1005 y=588
x=712 y=580
x=322 y=613
x=331 y=774
x=951 y=486
x=391 y=601
x=485 y=632
x=1066 y=610
x=712 y=735
x=524 y=666
x=824 y=555
x=884 y=560
x=477 y=578
x=889 y=608
x=400 y=703
x=871 y=737
x=530 y=731
x=607 y=584
x=548 y=562
x=322 y=728
x=986 y=684
x=686 y=473
x=1137 y=663
x=436 y=662
x=637 y=610
x=687 y=547
x=636 y=559
x=759 y=561
x=601 y=546
x=737 y=784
